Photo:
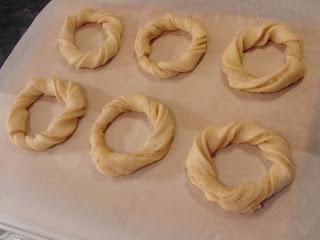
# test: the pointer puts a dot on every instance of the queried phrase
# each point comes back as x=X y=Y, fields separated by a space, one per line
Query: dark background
x=15 y=18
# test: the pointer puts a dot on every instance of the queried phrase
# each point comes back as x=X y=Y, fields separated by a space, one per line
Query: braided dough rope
x=61 y=128
x=248 y=196
x=290 y=72
x=112 y=26
x=113 y=163
x=184 y=63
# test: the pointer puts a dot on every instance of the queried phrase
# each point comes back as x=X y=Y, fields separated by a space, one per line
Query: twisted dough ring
x=290 y=72
x=248 y=196
x=62 y=127
x=96 y=57
x=113 y=163
x=184 y=63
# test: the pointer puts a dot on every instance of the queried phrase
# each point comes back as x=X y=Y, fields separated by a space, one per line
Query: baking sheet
x=60 y=194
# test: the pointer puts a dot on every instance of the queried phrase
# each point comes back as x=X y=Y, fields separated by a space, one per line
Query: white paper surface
x=59 y=193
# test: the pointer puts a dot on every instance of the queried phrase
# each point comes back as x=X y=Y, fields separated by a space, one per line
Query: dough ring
x=61 y=128
x=114 y=163
x=248 y=196
x=184 y=63
x=290 y=72
x=96 y=57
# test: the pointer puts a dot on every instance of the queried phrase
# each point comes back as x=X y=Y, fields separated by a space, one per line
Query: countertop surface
x=16 y=17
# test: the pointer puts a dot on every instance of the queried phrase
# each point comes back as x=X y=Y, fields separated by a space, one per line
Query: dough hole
x=90 y=36
x=240 y=163
x=42 y=113
x=126 y=127
x=264 y=60
x=169 y=46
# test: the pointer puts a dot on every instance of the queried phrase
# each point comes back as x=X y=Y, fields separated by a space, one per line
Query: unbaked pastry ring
x=248 y=196
x=290 y=72
x=114 y=163
x=112 y=26
x=185 y=62
x=63 y=125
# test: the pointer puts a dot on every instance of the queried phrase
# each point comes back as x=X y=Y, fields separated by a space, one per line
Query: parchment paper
x=59 y=193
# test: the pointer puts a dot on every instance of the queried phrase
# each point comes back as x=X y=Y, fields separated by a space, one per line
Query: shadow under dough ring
x=187 y=61
x=62 y=126
x=290 y=72
x=247 y=197
x=111 y=25
x=114 y=163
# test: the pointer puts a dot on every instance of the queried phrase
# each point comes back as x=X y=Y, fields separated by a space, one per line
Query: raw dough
x=61 y=128
x=112 y=26
x=248 y=196
x=184 y=63
x=290 y=72
x=113 y=163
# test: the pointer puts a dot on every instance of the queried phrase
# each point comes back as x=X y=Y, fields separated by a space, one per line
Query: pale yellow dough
x=290 y=72
x=113 y=28
x=185 y=62
x=248 y=196
x=63 y=125
x=114 y=163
